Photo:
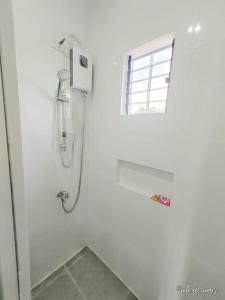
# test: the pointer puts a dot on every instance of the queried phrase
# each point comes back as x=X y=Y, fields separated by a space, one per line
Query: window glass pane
x=139 y=86
x=138 y=109
x=158 y=107
x=139 y=97
x=158 y=95
x=162 y=55
x=141 y=62
x=161 y=69
x=142 y=74
x=159 y=82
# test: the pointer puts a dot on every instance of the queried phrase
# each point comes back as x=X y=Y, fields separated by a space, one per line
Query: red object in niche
x=161 y=199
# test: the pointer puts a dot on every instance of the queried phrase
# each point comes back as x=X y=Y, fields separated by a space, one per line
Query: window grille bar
x=148 y=78
x=140 y=80
x=148 y=90
x=149 y=84
x=153 y=101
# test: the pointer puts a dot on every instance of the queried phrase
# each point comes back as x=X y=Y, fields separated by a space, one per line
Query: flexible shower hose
x=71 y=163
x=59 y=136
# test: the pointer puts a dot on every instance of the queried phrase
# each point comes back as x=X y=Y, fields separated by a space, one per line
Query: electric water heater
x=80 y=69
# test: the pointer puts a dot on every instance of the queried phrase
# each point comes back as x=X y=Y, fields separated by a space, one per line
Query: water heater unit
x=80 y=69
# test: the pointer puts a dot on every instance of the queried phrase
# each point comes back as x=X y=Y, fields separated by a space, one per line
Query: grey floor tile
x=61 y=289
x=47 y=281
x=77 y=256
x=96 y=280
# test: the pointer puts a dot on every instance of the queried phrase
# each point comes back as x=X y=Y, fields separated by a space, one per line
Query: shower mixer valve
x=63 y=195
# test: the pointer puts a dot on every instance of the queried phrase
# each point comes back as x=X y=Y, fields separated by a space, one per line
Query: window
x=147 y=78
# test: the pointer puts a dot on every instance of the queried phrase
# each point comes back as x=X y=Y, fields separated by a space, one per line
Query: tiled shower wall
x=154 y=248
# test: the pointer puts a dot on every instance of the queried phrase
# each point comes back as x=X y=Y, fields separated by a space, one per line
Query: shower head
x=63 y=75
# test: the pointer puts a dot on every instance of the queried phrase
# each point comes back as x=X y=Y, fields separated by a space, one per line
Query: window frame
x=128 y=70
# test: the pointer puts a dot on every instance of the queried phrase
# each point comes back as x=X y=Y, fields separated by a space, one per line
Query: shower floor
x=85 y=277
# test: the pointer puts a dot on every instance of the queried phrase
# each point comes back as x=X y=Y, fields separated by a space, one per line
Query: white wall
x=8 y=268
x=151 y=247
x=54 y=236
